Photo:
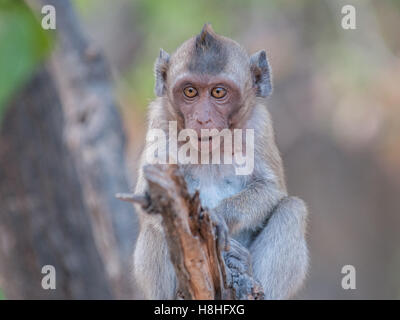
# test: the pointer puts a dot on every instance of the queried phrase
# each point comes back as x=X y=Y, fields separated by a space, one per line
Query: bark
x=62 y=161
x=43 y=218
x=93 y=132
x=199 y=264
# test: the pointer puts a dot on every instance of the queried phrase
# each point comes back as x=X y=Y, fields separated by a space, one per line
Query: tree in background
x=61 y=162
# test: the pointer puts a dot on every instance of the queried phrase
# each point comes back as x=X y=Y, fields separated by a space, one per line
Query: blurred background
x=335 y=107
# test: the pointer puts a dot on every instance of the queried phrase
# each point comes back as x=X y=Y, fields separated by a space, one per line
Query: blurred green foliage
x=2 y=297
x=23 y=43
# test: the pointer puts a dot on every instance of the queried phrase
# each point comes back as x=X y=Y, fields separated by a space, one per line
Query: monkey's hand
x=238 y=258
x=221 y=231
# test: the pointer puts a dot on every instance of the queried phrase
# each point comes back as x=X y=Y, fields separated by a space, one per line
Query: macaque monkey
x=210 y=82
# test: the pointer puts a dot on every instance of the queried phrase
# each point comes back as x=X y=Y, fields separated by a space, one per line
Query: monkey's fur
x=254 y=211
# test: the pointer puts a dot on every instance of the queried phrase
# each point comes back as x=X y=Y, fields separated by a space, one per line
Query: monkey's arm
x=250 y=208
x=153 y=271
x=279 y=253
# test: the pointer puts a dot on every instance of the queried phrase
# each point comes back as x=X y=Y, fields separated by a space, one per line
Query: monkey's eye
x=218 y=92
x=190 y=92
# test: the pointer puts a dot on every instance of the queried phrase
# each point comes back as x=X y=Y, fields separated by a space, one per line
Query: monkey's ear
x=261 y=74
x=160 y=70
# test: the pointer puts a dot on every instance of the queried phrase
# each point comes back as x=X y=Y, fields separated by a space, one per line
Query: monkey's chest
x=213 y=188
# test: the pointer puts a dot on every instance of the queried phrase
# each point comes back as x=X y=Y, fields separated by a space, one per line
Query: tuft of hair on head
x=206 y=37
x=209 y=53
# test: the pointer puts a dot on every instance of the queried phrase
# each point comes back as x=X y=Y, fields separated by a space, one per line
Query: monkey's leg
x=279 y=253
x=154 y=272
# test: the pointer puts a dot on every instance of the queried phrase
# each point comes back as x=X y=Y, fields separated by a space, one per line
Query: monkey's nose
x=203 y=122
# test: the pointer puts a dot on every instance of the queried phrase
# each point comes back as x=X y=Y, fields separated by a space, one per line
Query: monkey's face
x=206 y=101
x=211 y=82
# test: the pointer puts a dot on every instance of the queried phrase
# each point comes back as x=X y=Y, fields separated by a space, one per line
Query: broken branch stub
x=190 y=233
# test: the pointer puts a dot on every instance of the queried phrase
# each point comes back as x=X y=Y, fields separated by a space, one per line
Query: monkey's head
x=211 y=82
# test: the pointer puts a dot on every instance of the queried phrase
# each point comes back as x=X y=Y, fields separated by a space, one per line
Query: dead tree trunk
x=62 y=161
x=93 y=132
x=199 y=264
x=43 y=219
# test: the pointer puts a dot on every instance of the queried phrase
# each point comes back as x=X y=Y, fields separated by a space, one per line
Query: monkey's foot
x=240 y=274
x=238 y=258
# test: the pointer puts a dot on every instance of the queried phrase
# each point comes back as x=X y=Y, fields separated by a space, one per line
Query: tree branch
x=199 y=264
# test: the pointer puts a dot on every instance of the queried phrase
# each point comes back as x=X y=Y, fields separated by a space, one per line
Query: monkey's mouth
x=208 y=144
x=205 y=139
